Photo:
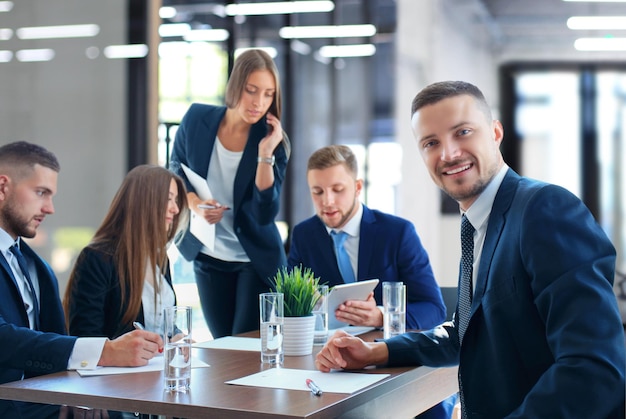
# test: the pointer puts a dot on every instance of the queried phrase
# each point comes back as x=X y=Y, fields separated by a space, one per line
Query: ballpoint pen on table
x=314 y=388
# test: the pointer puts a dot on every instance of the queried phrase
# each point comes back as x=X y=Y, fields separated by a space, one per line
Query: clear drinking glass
x=394 y=309
x=271 y=327
x=177 y=352
x=320 y=311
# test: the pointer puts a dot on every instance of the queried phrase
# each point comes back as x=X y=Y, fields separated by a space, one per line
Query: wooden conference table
x=405 y=393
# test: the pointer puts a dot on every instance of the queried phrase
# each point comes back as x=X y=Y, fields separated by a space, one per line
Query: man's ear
x=359 y=186
x=5 y=183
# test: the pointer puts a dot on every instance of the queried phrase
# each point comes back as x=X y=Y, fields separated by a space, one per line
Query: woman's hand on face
x=273 y=138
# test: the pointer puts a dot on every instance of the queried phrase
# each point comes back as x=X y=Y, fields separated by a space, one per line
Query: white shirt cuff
x=86 y=354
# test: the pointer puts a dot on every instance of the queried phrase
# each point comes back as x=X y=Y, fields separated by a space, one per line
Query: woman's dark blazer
x=96 y=303
x=254 y=210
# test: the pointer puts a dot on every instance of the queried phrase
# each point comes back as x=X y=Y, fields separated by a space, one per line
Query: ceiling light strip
x=600 y=44
x=327 y=31
x=596 y=22
x=61 y=31
x=279 y=8
x=337 y=51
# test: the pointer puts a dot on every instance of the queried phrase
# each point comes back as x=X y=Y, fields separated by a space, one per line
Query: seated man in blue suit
x=537 y=332
x=32 y=325
x=379 y=245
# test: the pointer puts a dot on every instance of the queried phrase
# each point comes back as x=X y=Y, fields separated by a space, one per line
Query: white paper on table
x=155 y=364
x=198 y=226
x=234 y=343
x=294 y=379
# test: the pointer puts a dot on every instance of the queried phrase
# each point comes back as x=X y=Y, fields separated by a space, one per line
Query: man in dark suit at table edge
x=32 y=324
x=537 y=332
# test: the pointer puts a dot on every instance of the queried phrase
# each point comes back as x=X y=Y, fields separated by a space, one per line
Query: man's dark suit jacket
x=254 y=210
x=545 y=339
x=389 y=250
x=26 y=352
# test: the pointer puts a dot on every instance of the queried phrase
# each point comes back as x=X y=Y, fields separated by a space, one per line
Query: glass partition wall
x=336 y=68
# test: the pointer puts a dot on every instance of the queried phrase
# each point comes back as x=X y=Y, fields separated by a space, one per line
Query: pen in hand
x=209 y=206
x=314 y=388
x=139 y=326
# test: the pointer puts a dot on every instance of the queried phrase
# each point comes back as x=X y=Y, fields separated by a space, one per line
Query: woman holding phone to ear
x=242 y=151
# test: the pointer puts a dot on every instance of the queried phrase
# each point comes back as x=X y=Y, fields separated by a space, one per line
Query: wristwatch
x=267 y=160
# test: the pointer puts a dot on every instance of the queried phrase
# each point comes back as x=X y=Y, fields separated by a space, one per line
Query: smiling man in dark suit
x=32 y=325
x=541 y=335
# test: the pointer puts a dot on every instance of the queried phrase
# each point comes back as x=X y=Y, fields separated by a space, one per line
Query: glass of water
x=177 y=352
x=394 y=309
x=271 y=309
x=320 y=311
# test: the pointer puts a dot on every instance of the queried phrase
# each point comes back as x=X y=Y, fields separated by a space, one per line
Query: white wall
x=436 y=40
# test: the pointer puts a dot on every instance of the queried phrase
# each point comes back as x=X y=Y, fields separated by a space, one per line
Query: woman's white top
x=153 y=307
x=221 y=180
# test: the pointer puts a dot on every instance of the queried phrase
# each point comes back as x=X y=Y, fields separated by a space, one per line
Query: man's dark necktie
x=343 y=260
x=21 y=261
x=466 y=288
x=467 y=269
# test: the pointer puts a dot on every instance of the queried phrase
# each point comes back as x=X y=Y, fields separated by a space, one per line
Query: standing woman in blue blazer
x=242 y=152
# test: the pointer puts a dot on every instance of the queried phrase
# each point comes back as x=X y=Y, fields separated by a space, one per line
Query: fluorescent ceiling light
x=327 y=31
x=270 y=51
x=335 y=51
x=126 y=51
x=6 y=6
x=599 y=1
x=596 y=22
x=6 y=34
x=173 y=29
x=279 y=8
x=62 y=31
x=29 y=55
x=167 y=12
x=6 y=56
x=600 y=44
x=208 y=35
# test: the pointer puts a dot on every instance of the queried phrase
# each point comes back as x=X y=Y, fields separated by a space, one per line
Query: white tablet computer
x=344 y=292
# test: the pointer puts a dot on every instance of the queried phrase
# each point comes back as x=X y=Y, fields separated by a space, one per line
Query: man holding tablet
x=378 y=245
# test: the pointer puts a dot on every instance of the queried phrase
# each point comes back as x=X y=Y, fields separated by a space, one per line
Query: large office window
x=570 y=125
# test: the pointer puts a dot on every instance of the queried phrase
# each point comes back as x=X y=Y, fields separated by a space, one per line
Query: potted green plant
x=299 y=287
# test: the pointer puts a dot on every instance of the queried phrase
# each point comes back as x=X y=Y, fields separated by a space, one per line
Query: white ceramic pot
x=298 y=335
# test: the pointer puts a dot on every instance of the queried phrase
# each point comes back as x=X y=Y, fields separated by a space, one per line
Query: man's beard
x=15 y=223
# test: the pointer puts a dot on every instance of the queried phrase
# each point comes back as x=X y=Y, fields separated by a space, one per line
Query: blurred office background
x=104 y=84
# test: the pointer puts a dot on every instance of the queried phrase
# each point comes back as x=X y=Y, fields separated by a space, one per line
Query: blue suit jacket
x=389 y=250
x=544 y=339
x=254 y=210
x=26 y=352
